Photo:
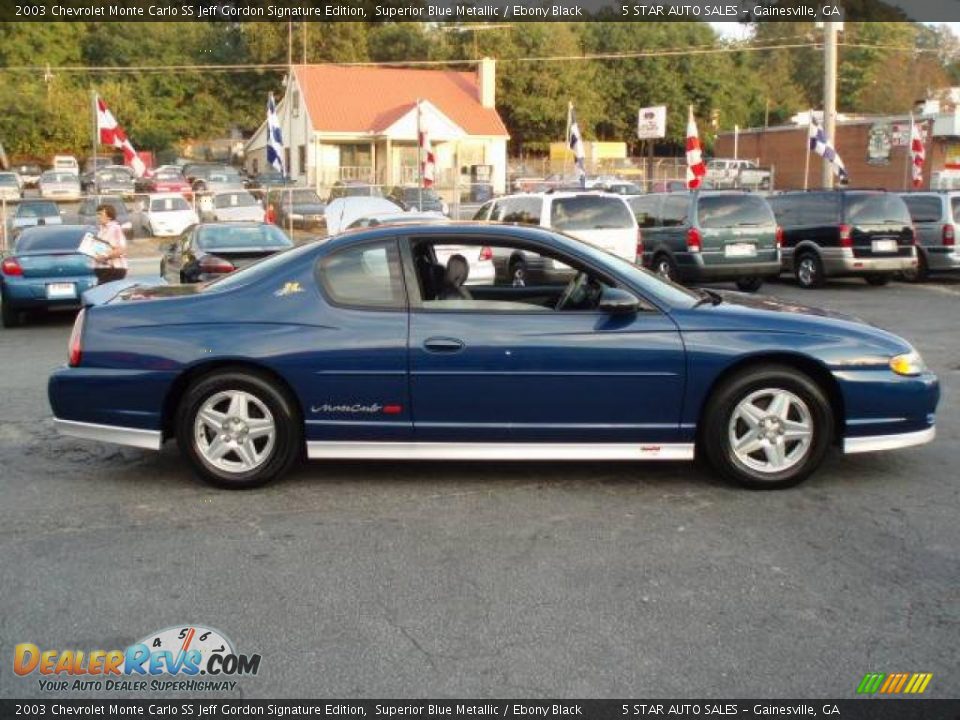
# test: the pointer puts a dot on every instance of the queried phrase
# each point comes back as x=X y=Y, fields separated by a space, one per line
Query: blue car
x=45 y=271
x=366 y=346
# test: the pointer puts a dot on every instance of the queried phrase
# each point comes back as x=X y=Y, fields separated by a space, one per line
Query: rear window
x=923 y=208
x=234 y=200
x=168 y=204
x=806 y=209
x=645 y=210
x=881 y=208
x=590 y=212
x=42 y=240
x=715 y=211
x=221 y=237
x=59 y=177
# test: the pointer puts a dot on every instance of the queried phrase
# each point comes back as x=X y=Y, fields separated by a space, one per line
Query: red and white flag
x=112 y=134
x=917 y=154
x=696 y=168
x=428 y=162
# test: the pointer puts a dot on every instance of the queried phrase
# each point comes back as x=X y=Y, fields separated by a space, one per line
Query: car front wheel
x=238 y=429
x=750 y=284
x=767 y=427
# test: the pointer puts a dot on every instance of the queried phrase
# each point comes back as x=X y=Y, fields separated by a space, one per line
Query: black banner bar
x=865 y=709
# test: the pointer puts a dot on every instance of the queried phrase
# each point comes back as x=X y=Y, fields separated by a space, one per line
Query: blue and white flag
x=822 y=147
x=274 y=137
x=575 y=141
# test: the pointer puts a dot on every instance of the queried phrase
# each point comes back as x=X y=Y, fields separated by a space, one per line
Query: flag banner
x=820 y=144
x=110 y=133
x=696 y=168
x=274 y=138
x=575 y=141
x=917 y=153
x=428 y=161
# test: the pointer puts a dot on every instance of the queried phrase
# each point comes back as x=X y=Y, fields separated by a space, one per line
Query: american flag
x=112 y=134
x=917 y=153
x=696 y=168
x=822 y=147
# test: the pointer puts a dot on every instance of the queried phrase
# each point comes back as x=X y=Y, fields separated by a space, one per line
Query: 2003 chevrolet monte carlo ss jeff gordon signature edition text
x=365 y=346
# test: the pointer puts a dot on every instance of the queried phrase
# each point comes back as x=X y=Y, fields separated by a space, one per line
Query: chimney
x=487 y=80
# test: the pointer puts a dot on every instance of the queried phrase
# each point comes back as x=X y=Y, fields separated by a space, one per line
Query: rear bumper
x=701 y=266
x=841 y=261
x=32 y=294
x=942 y=259
x=133 y=437
x=888 y=442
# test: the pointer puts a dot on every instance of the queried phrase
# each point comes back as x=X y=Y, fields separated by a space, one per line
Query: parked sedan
x=269 y=178
x=58 y=185
x=168 y=215
x=87 y=214
x=167 y=181
x=231 y=206
x=210 y=250
x=115 y=182
x=45 y=271
x=300 y=207
x=364 y=347
x=10 y=186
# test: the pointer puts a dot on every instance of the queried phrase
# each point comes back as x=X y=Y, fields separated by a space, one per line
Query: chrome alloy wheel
x=771 y=430
x=234 y=431
x=807 y=271
x=664 y=270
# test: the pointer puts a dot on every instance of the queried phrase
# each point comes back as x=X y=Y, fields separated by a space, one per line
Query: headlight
x=908 y=364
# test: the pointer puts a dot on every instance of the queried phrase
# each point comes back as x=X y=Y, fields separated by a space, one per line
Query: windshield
x=46 y=209
x=591 y=212
x=260 y=269
x=113 y=176
x=168 y=204
x=717 y=211
x=8 y=180
x=238 y=199
x=878 y=208
x=241 y=236
x=59 y=177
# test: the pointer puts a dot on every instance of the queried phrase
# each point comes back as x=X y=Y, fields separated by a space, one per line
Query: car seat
x=457 y=271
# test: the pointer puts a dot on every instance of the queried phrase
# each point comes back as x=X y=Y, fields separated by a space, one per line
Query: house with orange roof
x=359 y=123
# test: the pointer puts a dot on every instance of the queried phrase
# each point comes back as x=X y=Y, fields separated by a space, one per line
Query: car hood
x=774 y=304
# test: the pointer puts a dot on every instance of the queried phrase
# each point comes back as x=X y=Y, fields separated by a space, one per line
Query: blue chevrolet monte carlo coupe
x=366 y=346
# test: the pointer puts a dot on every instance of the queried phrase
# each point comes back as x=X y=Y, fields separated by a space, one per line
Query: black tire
x=919 y=274
x=519 y=274
x=665 y=266
x=877 y=280
x=714 y=437
x=10 y=317
x=808 y=270
x=750 y=284
x=288 y=426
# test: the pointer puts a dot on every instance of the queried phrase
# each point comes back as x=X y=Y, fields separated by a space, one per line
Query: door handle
x=443 y=345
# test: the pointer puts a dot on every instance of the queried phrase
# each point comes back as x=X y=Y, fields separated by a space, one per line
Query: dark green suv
x=709 y=236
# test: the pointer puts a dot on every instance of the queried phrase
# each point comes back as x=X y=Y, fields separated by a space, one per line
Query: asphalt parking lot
x=584 y=580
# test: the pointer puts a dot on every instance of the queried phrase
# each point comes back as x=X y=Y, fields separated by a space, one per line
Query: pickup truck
x=730 y=173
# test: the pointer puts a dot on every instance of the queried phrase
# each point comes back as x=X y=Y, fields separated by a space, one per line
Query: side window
x=484 y=212
x=364 y=276
x=674 y=210
x=923 y=208
x=522 y=210
x=645 y=209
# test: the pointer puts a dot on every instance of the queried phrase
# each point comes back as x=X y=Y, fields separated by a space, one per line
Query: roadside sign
x=652 y=122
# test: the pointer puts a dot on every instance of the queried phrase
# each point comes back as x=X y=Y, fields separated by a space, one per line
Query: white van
x=66 y=163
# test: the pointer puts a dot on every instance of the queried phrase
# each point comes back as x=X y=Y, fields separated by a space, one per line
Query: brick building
x=874 y=150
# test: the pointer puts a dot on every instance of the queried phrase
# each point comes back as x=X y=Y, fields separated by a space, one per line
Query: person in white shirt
x=111 y=265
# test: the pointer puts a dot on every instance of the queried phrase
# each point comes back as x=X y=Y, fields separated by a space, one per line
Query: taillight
x=76 y=337
x=846 y=239
x=213 y=264
x=694 y=241
x=779 y=236
x=948 y=236
x=639 y=244
x=486 y=253
x=11 y=267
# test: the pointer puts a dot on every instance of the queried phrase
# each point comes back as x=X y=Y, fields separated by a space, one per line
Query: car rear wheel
x=920 y=273
x=751 y=284
x=809 y=270
x=665 y=267
x=767 y=427
x=877 y=280
x=238 y=429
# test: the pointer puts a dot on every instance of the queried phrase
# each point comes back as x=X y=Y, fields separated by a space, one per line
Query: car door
x=488 y=372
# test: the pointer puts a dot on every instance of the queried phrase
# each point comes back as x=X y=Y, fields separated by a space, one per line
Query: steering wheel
x=574 y=288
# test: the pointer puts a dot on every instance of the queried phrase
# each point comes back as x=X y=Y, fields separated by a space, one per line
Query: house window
x=256 y=166
x=302 y=159
x=286 y=161
x=355 y=156
x=296 y=103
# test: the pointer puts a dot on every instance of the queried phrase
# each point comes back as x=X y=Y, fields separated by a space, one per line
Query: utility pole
x=829 y=95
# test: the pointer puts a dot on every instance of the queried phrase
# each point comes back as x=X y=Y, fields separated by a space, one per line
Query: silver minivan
x=935 y=216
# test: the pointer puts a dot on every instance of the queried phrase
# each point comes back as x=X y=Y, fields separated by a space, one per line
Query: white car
x=343 y=211
x=234 y=205
x=168 y=214
x=66 y=163
x=10 y=186
x=57 y=185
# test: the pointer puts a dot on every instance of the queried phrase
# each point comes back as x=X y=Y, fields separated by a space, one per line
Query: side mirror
x=618 y=302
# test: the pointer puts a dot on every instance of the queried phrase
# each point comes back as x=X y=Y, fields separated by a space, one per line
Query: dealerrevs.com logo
x=181 y=658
